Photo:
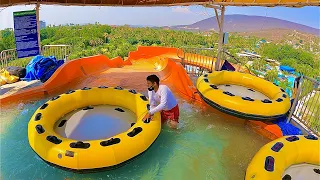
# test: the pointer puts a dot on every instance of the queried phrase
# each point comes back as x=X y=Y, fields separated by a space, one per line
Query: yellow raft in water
x=92 y=154
x=277 y=156
x=243 y=95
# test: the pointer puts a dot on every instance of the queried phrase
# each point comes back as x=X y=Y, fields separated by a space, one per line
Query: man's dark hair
x=153 y=78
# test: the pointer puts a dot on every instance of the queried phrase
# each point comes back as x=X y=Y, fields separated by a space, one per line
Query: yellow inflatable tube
x=276 y=105
x=6 y=78
x=275 y=157
x=94 y=154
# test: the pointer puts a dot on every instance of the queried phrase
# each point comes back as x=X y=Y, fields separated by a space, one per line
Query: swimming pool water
x=206 y=146
x=291 y=80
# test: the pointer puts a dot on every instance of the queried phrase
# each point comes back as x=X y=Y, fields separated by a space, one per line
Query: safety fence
x=196 y=61
x=59 y=51
x=306 y=106
x=199 y=60
x=6 y=56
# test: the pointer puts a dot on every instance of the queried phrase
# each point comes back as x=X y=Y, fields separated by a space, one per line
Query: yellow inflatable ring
x=275 y=157
x=6 y=78
x=275 y=102
x=93 y=154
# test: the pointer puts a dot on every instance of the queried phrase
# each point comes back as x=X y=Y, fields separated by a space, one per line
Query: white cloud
x=182 y=9
x=203 y=13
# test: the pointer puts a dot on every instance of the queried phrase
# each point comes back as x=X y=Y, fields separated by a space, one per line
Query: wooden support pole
x=220 y=45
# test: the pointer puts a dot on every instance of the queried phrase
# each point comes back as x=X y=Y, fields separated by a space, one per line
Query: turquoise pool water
x=291 y=80
x=206 y=146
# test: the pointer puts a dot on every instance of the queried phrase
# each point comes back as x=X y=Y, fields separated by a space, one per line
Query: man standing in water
x=162 y=100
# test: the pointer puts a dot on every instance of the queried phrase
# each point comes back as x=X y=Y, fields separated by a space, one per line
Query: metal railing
x=197 y=60
x=6 y=56
x=306 y=106
x=59 y=51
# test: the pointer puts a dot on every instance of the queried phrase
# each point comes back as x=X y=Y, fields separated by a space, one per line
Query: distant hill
x=141 y=26
x=244 y=23
x=280 y=35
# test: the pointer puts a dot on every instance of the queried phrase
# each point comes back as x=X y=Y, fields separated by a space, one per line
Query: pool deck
x=9 y=89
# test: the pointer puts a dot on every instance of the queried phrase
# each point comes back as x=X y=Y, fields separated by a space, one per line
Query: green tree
x=272 y=75
x=7 y=39
x=92 y=39
x=284 y=84
x=259 y=64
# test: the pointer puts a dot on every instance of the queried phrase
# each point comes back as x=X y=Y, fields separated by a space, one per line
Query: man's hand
x=147 y=116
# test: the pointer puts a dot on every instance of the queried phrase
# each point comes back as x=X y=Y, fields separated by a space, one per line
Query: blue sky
x=157 y=16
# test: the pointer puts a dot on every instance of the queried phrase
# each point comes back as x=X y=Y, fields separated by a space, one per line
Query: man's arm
x=152 y=101
x=162 y=105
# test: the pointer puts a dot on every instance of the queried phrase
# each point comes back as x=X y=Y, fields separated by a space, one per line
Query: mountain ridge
x=246 y=23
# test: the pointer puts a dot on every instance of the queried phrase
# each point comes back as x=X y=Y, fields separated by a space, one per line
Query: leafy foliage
x=93 y=39
x=259 y=64
x=271 y=75
x=6 y=39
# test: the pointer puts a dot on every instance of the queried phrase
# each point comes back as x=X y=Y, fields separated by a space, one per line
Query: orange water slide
x=171 y=73
x=66 y=74
x=172 y=53
x=80 y=69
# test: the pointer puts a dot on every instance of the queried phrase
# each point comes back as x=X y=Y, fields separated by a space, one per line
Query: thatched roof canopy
x=271 y=3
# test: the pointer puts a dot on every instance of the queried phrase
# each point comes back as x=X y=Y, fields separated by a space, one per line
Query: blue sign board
x=26 y=33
